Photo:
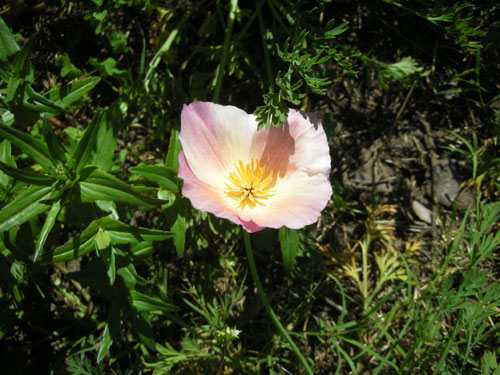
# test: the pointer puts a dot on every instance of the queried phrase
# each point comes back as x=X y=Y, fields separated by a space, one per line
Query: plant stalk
x=219 y=74
x=267 y=306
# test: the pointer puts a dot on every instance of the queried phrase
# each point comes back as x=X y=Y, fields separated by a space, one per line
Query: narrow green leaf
x=174 y=150
x=94 y=276
x=332 y=33
x=30 y=145
x=111 y=265
x=22 y=63
x=99 y=185
x=124 y=233
x=107 y=255
x=176 y=216
x=86 y=145
x=179 y=234
x=141 y=249
x=489 y=365
x=66 y=95
x=161 y=52
x=26 y=205
x=15 y=89
x=6 y=159
x=55 y=150
x=129 y=276
x=8 y=45
x=78 y=246
x=47 y=227
x=119 y=233
x=142 y=325
x=289 y=241
x=143 y=55
x=6 y=153
x=42 y=103
x=164 y=177
x=113 y=325
x=142 y=302
x=26 y=176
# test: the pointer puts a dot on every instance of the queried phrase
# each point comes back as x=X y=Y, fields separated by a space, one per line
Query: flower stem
x=267 y=306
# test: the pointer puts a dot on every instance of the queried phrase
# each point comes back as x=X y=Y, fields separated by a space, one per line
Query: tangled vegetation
x=105 y=268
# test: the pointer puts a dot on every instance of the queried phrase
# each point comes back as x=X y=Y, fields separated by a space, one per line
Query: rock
x=448 y=190
x=422 y=212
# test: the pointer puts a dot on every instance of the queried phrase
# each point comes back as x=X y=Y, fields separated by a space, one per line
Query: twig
x=403 y=106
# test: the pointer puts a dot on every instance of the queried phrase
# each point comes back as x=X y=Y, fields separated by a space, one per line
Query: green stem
x=364 y=257
x=267 y=306
x=267 y=59
x=225 y=50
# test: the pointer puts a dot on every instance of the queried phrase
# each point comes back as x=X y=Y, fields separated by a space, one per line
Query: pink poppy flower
x=256 y=178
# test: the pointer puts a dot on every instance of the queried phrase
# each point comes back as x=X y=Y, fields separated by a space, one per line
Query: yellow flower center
x=249 y=185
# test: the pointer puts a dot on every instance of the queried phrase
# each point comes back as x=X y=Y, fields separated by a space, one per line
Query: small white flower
x=232 y=332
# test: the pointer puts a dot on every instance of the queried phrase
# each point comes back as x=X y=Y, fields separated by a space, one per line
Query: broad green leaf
x=66 y=95
x=8 y=45
x=30 y=145
x=102 y=239
x=25 y=206
x=174 y=149
x=107 y=67
x=47 y=226
x=67 y=67
x=106 y=138
x=99 y=185
x=289 y=241
x=164 y=177
x=86 y=145
x=142 y=302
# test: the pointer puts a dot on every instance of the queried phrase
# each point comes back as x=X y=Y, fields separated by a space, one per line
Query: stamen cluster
x=249 y=185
